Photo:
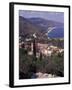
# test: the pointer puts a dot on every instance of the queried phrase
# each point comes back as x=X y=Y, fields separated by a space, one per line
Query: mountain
x=29 y=26
x=45 y=23
x=27 y=29
x=58 y=32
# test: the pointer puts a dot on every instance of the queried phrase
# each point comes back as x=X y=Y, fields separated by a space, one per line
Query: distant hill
x=28 y=26
x=44 y=24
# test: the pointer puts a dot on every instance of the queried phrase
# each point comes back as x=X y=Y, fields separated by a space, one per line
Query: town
x=44 y=49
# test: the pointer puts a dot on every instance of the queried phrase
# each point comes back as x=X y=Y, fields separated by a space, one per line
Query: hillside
x=45 y=23
x=26 y=28
x=29 y=26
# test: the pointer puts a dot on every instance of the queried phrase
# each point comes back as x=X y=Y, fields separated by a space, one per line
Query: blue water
x=57 y=33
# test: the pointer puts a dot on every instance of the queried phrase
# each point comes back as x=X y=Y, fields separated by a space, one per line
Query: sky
x=55 y=16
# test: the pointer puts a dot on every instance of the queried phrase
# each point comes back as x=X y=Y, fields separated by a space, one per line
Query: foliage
x=28 y=65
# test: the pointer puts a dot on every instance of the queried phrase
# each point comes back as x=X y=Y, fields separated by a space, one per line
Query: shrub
x=28 y=65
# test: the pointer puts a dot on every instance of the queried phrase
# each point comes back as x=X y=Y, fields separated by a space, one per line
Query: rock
x=44 y=75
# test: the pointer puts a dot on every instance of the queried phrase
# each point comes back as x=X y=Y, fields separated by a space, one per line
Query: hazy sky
x=55 y=16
